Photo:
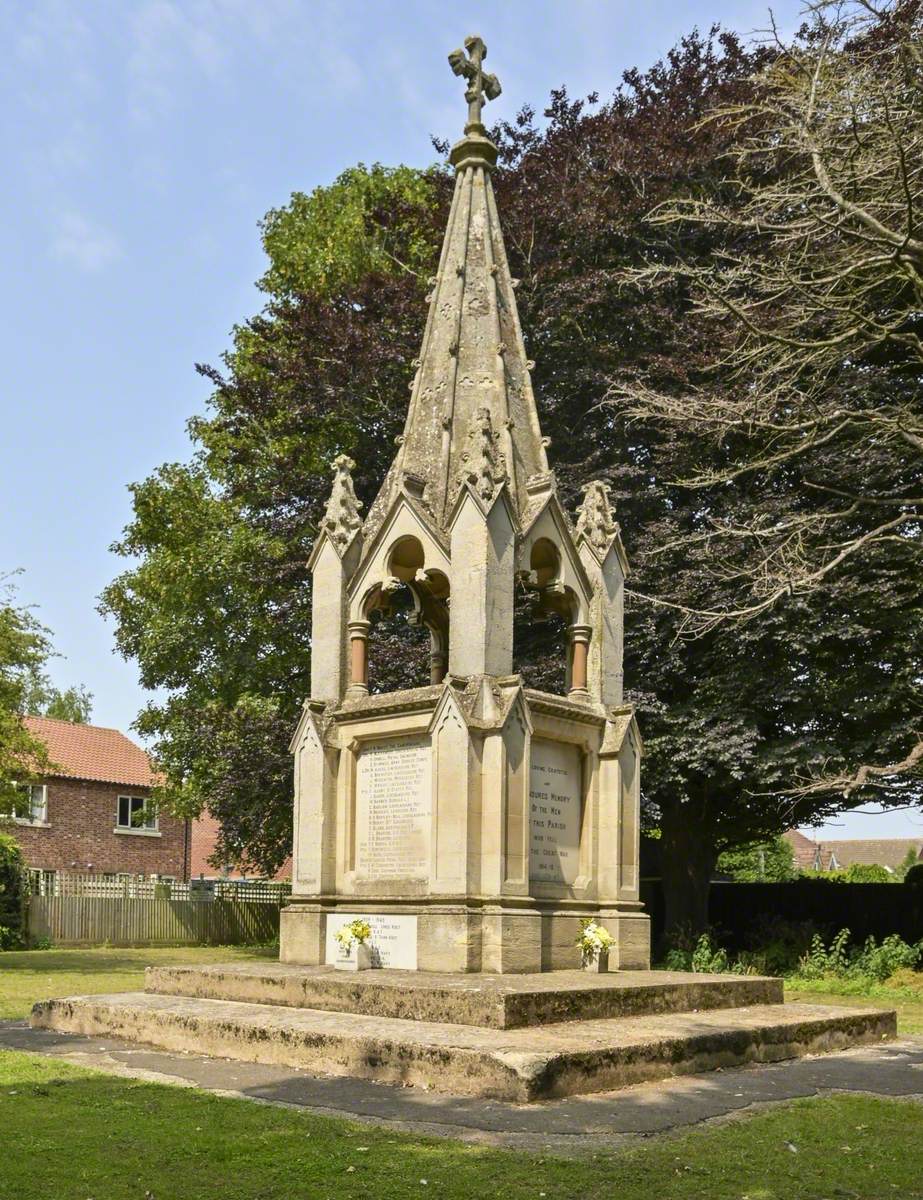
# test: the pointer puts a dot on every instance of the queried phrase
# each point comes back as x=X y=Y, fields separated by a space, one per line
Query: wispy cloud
x=84 y=243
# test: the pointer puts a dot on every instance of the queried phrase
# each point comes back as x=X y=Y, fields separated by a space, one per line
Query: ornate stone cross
x=481 y=86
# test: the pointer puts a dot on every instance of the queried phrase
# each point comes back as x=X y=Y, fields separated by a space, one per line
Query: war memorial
x=452 y=842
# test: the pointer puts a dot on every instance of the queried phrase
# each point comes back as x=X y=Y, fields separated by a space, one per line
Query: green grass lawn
x=907 y=1000
x=74 y=1134
x=30 y=975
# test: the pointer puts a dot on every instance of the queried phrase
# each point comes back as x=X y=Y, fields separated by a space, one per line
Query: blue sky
x=142 y=142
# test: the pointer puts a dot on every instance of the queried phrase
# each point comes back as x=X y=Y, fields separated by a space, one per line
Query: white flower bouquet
x=594 y=943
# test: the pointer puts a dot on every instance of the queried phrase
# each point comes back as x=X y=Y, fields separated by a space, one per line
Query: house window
x=136 y=812
x=31 y=804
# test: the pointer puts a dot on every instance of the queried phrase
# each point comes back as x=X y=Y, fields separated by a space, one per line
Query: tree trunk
x=687 y=863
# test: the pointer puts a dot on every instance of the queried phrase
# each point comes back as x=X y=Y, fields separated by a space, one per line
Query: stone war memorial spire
x=474 y=822
x=476 y=826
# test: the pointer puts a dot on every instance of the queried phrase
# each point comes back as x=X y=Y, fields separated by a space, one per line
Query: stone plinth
x=474 y=824
x=521 y=1065
x=492 y=1001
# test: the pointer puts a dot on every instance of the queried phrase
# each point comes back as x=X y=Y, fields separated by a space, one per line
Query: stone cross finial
x=341 y=518
x=594 y=516
x=485 y=465
x=481 y=86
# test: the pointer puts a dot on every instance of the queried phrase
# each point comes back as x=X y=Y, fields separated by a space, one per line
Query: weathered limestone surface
x=518 y=815
x=486 y=1000
x=521 y=1065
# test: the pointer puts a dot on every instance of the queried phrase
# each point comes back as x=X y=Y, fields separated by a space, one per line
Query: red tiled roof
x=91 y=752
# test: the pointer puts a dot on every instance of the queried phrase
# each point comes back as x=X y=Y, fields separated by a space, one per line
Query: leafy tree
x=43 y=699
x=216 y=607
x=815 y=390
x=12 y=893
x=910 y=860
x=24 y=647
x=765 y=862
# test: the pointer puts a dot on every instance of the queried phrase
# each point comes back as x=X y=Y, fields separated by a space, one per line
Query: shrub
x=10 y=939
x=12 y=892
x=776 y=945
x=880 y=962
x=871 y=962
x=704 y=958
x=866 y=873
x=914 y=875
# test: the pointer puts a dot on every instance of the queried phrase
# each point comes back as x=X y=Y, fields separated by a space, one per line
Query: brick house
x=203 y=839
x=93 y=812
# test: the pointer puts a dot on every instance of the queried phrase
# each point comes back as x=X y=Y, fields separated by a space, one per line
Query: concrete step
x=491 y=1001
x=520 y=1065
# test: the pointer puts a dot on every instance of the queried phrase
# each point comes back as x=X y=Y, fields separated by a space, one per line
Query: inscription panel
x=555 y=790
x=393 y=942
x=394 y=809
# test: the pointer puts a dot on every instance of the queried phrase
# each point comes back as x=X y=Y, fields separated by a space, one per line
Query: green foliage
x=856 y=873
x=705 y=956
x=761 y=862
x=43 y=699
x=873 y=961
x=910 y=860
x=12 y=893
x=24 y=648
x=914 y=876
x=866 y=873
x=327 y=242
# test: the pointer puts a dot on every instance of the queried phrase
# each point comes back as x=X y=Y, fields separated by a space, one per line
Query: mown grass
x=75 y=1134
x=902 y=992
x=30 y=975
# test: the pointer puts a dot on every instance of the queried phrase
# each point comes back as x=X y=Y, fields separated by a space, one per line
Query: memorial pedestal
x=471 y=837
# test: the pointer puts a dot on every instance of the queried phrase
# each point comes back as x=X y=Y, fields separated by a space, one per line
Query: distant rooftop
x=833 y=853
x=92 y=752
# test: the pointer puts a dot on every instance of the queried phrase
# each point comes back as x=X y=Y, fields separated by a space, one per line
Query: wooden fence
x=153 y=887
x=91 y=921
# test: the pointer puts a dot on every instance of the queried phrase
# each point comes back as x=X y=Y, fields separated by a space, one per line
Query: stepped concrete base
x=493 y=1001
x=519 y=1065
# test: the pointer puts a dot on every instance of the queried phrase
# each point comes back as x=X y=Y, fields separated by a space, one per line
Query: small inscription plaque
x=555 y=787
x=393 y=809
x=393 y=942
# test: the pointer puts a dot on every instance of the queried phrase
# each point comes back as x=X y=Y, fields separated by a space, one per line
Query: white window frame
x=145 y=830
x=39 y=821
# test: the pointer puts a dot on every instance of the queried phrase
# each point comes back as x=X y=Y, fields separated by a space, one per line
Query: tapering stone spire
x=473 y=357
x=341 y=518
x=595 y=521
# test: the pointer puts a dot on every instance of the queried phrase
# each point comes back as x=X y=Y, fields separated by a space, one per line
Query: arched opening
x=545 y=649
x=402 y=638
x=398 y=642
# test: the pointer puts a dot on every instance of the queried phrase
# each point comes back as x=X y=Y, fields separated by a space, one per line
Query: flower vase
x=357 y=958
x=596 y=963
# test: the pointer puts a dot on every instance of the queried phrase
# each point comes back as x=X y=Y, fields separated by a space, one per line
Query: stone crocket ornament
x=484 y=465
x=341 y=518
x=594 y=516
